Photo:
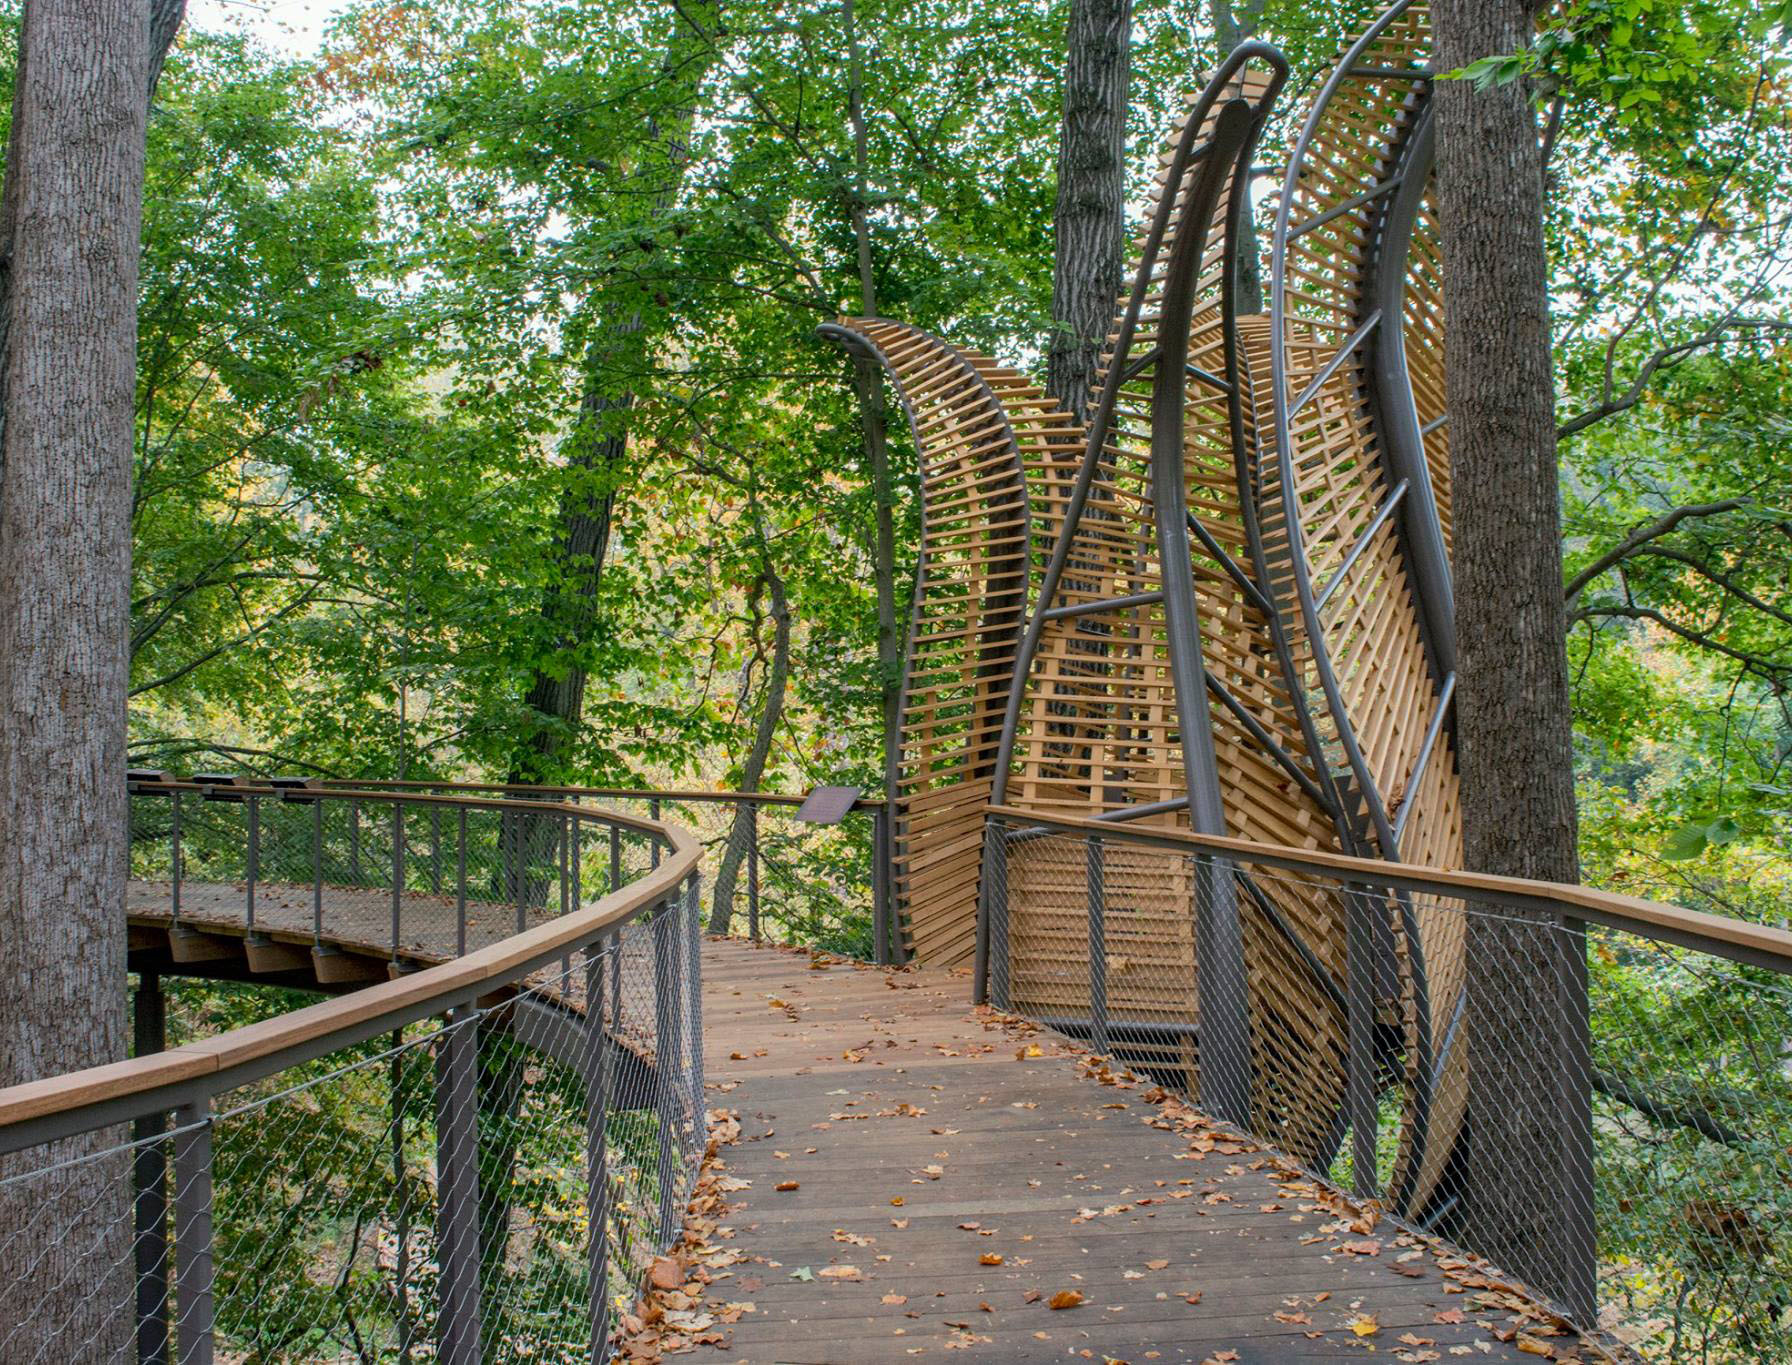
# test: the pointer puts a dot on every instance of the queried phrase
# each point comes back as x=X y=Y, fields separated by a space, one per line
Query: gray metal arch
x=1395 y=202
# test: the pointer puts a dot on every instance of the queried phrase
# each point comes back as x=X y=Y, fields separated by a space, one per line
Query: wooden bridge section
x=914 y=1177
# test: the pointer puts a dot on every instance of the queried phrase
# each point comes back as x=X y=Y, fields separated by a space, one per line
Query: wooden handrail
x=361 y=1012
x=601 y=793
x=1720 y=935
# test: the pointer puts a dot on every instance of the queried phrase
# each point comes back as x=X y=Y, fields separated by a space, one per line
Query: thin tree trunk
x=597 y=463
x=1528 y=1199
x=1232 y=26
x=873 y=422
x=1090 y=221
x=771 y=713
x=69 y=226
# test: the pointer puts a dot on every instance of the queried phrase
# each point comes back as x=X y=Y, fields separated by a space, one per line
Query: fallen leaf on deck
x=1363 y=1325
x=1065 y=1298
x=803 y=1273
x=990 y=1258
x=895 y=1299
x=841 y=1272
x=784 y=1186
x=666 y=1273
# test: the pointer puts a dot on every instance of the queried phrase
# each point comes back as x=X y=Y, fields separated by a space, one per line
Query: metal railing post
x=597 y=1180
x=174 y=857
x=693 y=928
x=1095 y=875
x=666 y=1049
x=1359 y=999
x=435 y=849
x=193 y=1233
x=882 y=905
x=1222 y=994
x=752 y=812
x=252 y=869
x=615 y=857
x=999 y=964
x=397 y=872
x=457 y=1189
x=150 y=1184
x=653 y=809
x=317 y=873
x=460 y=884
x=354 y=842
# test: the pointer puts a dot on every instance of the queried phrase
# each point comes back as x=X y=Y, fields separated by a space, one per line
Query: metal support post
x=1095 y=874
x=397 y=871
x=597 y=1183
x=882 y=904
x=666 y=1049
x=193 y=1233
x=253 y=868
x=1225 y=1049
x=693 y=930
x=996 y=871
x=457 y=1189
x=1359 y=958
x=150 y=1184
x=752 y=813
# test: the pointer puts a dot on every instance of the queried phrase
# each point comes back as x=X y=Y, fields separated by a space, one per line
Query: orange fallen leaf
x=990 y=1258
x=1364 y=1325
x=786 y=1185
x=1065 y=1298
x=666 y=1273
x=895 y=1299
x=898 y=1202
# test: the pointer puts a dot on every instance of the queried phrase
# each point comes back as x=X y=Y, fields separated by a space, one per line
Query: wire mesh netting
x=486 y=1183
x=1604 y=1116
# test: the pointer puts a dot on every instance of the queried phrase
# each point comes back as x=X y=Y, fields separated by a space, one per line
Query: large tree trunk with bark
x=1090 y=220
x=1527 y=1195
x=70 y=224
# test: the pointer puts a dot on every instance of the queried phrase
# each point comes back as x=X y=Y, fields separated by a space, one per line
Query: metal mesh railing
x=1604 y=1115
x=768 y=874
x=476 y=1167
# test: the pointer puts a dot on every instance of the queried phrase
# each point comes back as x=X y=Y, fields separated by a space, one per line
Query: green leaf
x=1689 y=841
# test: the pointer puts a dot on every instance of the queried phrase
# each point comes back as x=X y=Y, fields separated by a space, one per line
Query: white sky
x=293 y=26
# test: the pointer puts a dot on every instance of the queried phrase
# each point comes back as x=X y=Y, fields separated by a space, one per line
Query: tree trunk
x=1527 y=1202
x=1232 y=26
x=868 y=383
x=70 y=223
x=597 y=459
x=771 y=712
x=1090 y=222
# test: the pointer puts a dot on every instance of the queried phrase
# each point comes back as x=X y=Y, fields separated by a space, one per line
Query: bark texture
x=1527 y=1181
x=70 y=227
x=1090 y=221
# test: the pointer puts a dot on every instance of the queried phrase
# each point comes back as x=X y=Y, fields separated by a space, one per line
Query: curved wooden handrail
x=140 y=1081
x=1719 y=935
x=675 y=795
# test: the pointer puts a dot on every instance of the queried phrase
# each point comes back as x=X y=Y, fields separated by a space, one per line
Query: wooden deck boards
x=1064 y=1175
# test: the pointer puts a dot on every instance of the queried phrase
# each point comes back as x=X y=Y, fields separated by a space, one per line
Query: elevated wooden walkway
x=913 y=1177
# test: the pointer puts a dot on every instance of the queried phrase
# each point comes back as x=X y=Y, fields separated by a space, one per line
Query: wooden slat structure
x=1241 y=622
x=976 y=425
x=1359 y=471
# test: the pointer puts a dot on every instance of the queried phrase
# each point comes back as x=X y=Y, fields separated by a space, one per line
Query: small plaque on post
x=827 y=805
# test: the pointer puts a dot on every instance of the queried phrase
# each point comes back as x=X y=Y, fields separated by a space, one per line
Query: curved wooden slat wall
x=1361 y=479
x=975 y=424
x=1100 y=718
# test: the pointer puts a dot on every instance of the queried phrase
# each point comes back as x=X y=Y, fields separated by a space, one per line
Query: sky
x=294 y=26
